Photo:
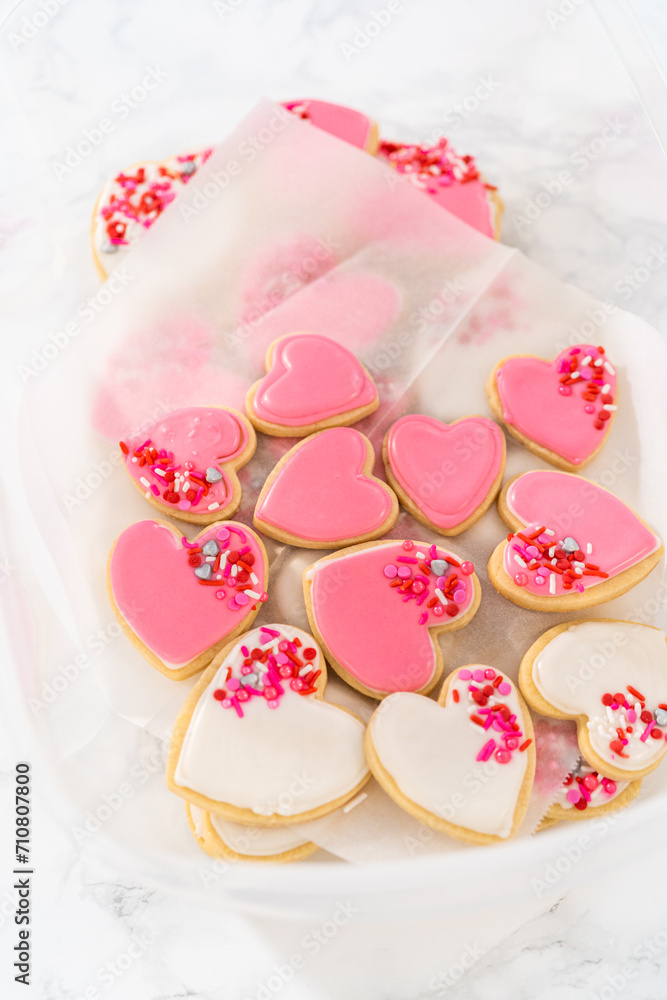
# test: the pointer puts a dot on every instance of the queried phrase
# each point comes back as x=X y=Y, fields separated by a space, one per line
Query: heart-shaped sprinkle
x=204 y=571
x=210 y=548
x=322 y=492
x=292 y=753
x=213 y=475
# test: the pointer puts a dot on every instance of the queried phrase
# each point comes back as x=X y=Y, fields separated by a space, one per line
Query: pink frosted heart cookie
x=572 y=544
x=185 y=464
x=445 y=475
x=562 y=410
x=337 y=119
x=179 y=602
x=463 y=765
x=312 y=383
x=611 y=677
x=376 y=608
x=323 y=495
x=256 y=743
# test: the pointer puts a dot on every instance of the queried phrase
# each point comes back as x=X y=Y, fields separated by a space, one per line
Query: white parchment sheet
x=287 y=229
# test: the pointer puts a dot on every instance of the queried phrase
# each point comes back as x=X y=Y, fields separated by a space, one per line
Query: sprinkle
x=353 y=803
x=441 y=597
x=608 y=368
x=486 y=750
x=214 y=505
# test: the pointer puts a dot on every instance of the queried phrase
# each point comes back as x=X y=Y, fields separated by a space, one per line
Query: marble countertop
x=533 y=89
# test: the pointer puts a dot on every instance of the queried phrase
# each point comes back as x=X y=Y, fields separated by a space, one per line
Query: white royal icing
x=431 y=752
x=598 y=796
x=286 y=760
x=586 y=661
x=253 y=841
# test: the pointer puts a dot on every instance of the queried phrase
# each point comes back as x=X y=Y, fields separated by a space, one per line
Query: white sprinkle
x=553 y=562
x=549 y=531
x=552 y=551
x=255 y=597
x=517 y=559
x=609 y=406
x=210 y=559
x=135 y=459
x=254 y=578
x=235 y=569
x=144 y=482
x=602 y=731
x=158 y=472
x=214 y=505
x=148 y=494
x=356 y=801
x=598 y=363
x=586 y=361
x=186 y=487
x=609 y=368
x=606 y=387
x=420 y=555
x=579 y=572
x=552 y=583
x=223 y=559
x=441 y=597
x=589 y=548
x=610 y=715
x=578 y=565
x=574 y=375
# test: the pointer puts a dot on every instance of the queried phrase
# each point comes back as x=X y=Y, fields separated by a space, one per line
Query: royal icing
x=564 y=405
x=321 y=492
x=179 y=597
x=465 y=763
x=585 y=789
x=275 y=748
x=311 y=378
x=345 y=123
x=252 y=841
x=614 y=673
x=131 y=202
x=180 y=461
x=577 y=534
x=451 y=180
x=373 y=608
x=446 y=470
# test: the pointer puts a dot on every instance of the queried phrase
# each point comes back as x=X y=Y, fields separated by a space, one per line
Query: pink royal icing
x=587 y=533
x=564 y=405
x=179 y=460
x=312 y=378
x=321 y=492
x=373 y=608
x=446 y=470
x=164 y=591
x=345 y=123
x=451 y=180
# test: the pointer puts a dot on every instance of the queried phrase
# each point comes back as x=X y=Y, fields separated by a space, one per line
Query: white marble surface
x=554 y=87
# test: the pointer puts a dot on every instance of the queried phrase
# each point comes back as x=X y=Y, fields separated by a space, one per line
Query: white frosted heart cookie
x=586 y=793
x=464 y=765
x=255 y=742
x=611 y=677
x=220 y=838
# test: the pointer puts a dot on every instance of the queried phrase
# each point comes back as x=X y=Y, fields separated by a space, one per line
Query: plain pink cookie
x=323 y=495
x=563 y=409
x=450 y=180
x=185 y=464
x=374 y=607
x=572 y=544
x=445 y=475
x=312 y=383
x=179 y=602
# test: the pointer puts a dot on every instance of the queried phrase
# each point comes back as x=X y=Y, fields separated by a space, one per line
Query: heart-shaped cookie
x=572 y=545
x=463 y=765
x=375 y=609
x=446 y=475
x=336 y=119
x=312 y=382
x=185 y=464
x=562 y=409
x=179 y=602
x=322 y=494
x=256 y=743
x=586 y=793
x=129 y=204
x=220 y=838
x=611 y=677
